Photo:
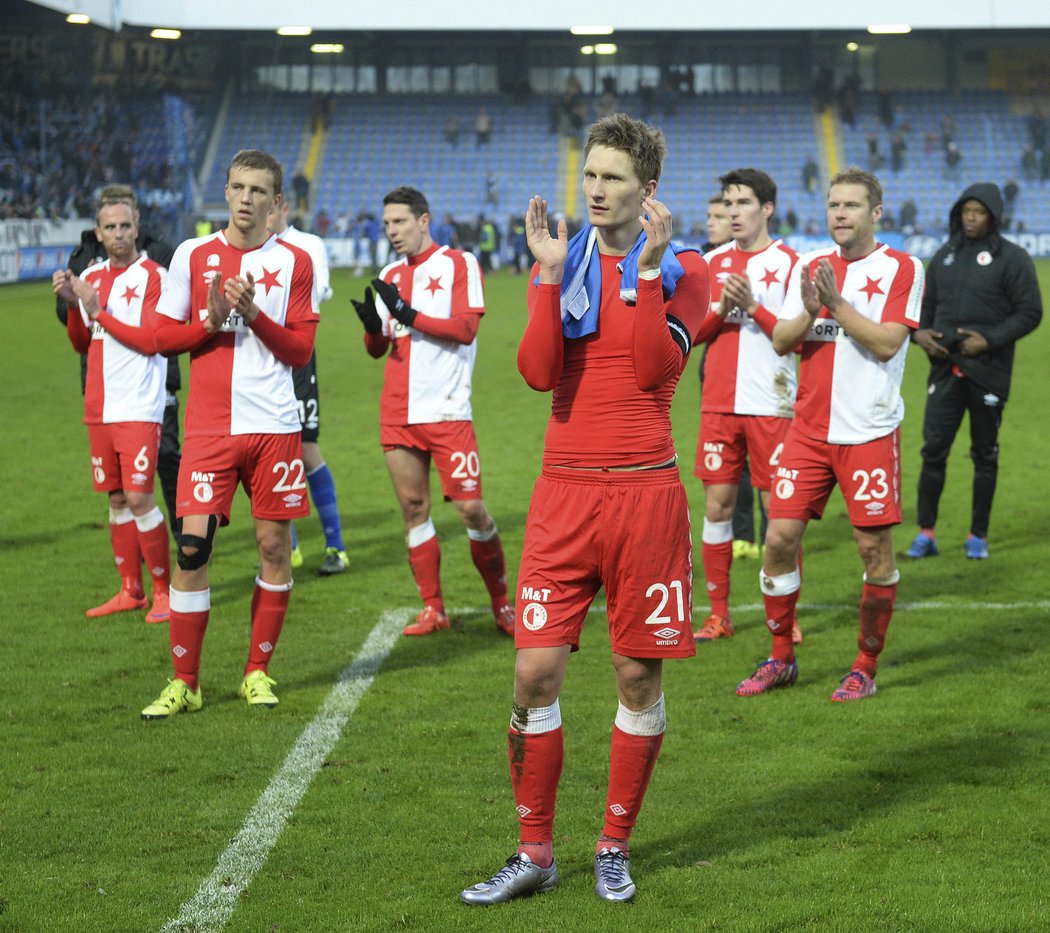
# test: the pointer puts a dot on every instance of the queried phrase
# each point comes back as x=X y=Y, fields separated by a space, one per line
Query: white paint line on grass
x=216 y=899
x=930 y=605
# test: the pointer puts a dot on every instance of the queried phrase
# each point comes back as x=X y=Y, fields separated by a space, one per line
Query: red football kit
x=848 y=397
x=749 y=390
x=610 y=409
x=429 y=366
x=608 y=510
x=123 y=409
x=241 y=377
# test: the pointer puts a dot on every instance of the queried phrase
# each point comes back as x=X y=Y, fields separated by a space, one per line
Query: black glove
x=395 y=304
x=366 y=310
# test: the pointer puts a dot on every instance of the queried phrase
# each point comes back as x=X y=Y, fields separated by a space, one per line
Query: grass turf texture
x=921 y=809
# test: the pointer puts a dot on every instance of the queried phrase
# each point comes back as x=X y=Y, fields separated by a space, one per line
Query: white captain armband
x=679 y=334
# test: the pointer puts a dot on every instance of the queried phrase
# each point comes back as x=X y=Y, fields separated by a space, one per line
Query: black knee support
x=203 y=545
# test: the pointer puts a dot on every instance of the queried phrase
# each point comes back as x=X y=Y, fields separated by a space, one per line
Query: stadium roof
x=555 y=15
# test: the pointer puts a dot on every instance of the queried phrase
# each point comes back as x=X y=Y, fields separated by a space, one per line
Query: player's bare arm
x=219 y=307
x=239 y=291
x=659 y=227
x=550 y=252
x=87 y=295
x=736 y=293
x=62 y=287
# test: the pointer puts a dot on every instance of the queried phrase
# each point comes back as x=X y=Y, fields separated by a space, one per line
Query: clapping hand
x=366 y=310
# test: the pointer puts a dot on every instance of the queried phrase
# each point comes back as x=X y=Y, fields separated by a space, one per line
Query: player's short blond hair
x=857 y=176
x=644 y=145
x=117 y=194
x=257 y=159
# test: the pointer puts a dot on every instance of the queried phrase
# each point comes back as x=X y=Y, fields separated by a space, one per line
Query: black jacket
x=988 y=285
x=90 y=251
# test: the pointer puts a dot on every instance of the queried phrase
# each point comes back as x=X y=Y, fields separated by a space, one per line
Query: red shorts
x=124 y=455
x=868 y=474
x=727 y=440
x=627 y=531
x=454 y=450
x=270 y=466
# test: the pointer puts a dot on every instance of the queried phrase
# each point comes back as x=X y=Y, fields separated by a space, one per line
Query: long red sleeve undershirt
x=79 y=333
x=656 y=356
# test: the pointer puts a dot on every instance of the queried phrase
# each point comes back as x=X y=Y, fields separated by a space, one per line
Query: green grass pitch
x=923 y=809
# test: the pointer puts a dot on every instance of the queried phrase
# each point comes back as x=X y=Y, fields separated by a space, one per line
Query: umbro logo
x=522 y=810
x=618 y=809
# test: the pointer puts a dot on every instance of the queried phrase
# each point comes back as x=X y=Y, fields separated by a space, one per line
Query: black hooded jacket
x=87 y=253
x=987 y=285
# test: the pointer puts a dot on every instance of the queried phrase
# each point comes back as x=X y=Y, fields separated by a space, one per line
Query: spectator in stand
x=810 y=173
x=322 y=223
x=1010 y=191
x=300 y=190
x=482 y=128
x=453 y=128
x=952 y=158
x=1030 y=163
x=897 y=149
x=909 y=217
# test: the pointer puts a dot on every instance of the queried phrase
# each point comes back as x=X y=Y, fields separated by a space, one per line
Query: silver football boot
x=612 y=873
x=520 y=877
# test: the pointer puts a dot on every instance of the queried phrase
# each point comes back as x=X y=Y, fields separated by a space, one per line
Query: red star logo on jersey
x=434 y=285
x=129 y=293
x=872 y=288
x=770 y=278
x=269 y=280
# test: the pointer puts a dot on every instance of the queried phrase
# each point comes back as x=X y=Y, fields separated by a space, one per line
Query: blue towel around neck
x=581 y=284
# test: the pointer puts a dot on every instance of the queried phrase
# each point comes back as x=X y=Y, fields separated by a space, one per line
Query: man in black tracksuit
x=87 y=253
x=982 y=296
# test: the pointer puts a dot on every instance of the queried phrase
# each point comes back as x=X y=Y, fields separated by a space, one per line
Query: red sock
x=535 y=769
x=488 y=558
x=718 y=559
x=425 y=560
x=125 y=539
x=780 y=617
x=876 y=610
x=269 y=607
x=630 y=767
x=186 y=627
x=155 y=549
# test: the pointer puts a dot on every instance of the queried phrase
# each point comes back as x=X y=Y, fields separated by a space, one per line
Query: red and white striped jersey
x=237 y=385
x=846 y=395
x=743 y=375
x=428 y=379
x=123 y=384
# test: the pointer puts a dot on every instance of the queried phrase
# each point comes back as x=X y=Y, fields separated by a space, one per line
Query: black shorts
x=309 y=398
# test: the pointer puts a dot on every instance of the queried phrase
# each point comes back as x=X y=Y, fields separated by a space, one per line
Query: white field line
x=216 y=899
